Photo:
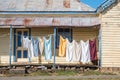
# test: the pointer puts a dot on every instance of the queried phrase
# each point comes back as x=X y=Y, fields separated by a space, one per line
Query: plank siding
x=85 y=34
x=4 y=45
x=111 y=37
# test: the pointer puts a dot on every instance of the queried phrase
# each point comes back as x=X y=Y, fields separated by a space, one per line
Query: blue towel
x=48 y=48
x=35 y=47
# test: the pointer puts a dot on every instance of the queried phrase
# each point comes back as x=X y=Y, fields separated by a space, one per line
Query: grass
x=91 y=79
x=67 y=73
x=39 y=73
x=55 y=73
x=62 y=73
x=97 y=73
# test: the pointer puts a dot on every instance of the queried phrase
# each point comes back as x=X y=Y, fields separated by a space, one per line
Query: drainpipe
x=54 y=47
x=10 y=53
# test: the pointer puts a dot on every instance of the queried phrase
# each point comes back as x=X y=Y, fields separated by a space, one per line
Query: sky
x=93 y=3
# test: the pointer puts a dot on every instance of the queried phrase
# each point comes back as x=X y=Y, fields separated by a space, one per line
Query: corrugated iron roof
x=50 y=21
x=43 y=5
x=106 y=5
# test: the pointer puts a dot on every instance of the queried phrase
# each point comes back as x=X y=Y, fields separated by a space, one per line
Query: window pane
x=65 y=33
x=19 y=54
x=60 y=30
x=66 y=30
x=25 y=54
x=25 y=33
x=19 y=38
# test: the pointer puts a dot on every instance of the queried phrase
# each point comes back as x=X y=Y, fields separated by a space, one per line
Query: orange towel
x=62 y=47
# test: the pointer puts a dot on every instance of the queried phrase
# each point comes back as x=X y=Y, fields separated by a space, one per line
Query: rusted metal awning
x=50 y=21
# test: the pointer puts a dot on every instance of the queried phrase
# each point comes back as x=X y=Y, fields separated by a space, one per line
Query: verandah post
x=100 y=48
x=10 y=53
x=54 y=47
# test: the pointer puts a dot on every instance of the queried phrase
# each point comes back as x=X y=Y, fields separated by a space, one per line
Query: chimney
x=66 y=3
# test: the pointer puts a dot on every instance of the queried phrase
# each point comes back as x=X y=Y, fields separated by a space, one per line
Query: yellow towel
x=62 y=47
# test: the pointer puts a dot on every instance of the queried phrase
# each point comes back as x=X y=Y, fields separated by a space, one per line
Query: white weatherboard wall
x=4 y=45
x=111 y=37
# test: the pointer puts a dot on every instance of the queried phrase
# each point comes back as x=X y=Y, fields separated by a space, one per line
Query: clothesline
x=84 y=52
x=35 y=36
x=4 y=35
x=73 y=39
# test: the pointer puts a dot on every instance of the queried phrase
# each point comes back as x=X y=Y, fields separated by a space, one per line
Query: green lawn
x=68 y=73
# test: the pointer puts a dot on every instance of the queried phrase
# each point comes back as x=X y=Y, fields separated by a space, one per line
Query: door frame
x=15 y=37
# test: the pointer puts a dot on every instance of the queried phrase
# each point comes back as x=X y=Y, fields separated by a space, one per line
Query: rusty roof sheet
x=51 y=21
x=43 y=5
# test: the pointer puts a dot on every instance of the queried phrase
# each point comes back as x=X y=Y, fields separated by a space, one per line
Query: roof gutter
x=48 y=12
x=105 y=5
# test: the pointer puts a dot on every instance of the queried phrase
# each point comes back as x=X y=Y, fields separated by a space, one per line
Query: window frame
x=26 y=32
x=64 y=35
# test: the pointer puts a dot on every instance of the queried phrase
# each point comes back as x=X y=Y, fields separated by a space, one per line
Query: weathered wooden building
x=38 y=18
x=110 y=32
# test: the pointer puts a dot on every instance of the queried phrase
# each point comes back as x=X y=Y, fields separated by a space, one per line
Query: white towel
x=85 y=57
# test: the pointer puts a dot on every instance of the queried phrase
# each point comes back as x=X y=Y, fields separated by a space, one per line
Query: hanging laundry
x=30 y=49
x=85 y=57
x=48 y=48
x=41 y=45
x=70 y=50
x=35 y=46
x=62 y=47
x=77 y=55
x=25 y=41
x=93 y=51
x=28 y=44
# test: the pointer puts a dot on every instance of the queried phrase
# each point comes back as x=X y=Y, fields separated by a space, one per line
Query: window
x=21 y=52
x=19 y=38
x=25 y=55
x=65 y=33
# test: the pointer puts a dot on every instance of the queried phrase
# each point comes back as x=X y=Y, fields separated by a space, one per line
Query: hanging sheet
x=62 y=47
x=93 y=51
x=41 y=45
x=78 y=52
x=28 y=44
x=70 y=51
x=48 y=48
x=85 y=57
x=35 y=47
